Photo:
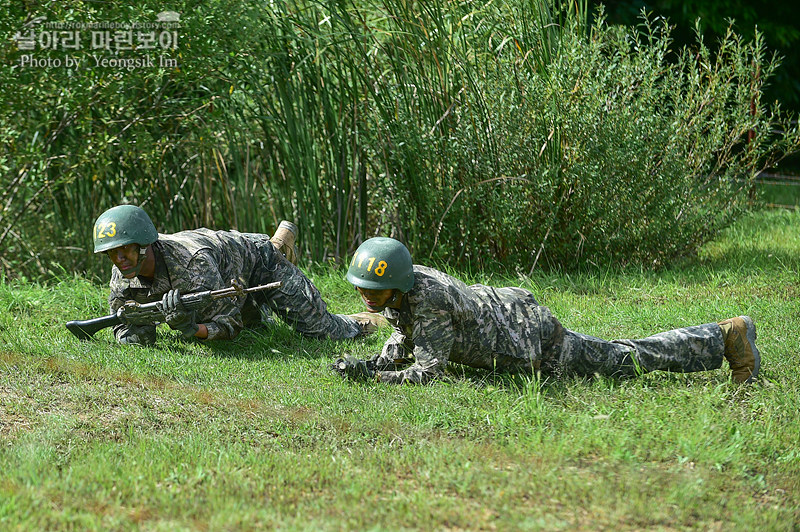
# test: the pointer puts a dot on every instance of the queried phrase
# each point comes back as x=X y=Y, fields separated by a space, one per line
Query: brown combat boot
x=369 y=321
x=741 y=352
x=284 y=239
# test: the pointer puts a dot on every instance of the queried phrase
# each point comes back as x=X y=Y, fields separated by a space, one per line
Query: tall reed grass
x=516 y=132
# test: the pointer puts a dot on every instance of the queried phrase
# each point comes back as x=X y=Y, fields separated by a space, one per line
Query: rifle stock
x=85 y=329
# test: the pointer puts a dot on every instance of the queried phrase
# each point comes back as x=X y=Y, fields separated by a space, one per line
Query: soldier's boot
x=284 y=239
x=369 y=321
x=741 y=352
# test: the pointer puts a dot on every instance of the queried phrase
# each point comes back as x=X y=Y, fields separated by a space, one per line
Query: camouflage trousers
x=297 y=302
x=697 y=348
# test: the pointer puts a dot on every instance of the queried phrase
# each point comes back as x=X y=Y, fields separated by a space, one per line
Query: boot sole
x=751 y=337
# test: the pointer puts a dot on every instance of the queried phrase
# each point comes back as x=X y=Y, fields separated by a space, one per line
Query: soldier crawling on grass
x=149 y=266
x=439 y=319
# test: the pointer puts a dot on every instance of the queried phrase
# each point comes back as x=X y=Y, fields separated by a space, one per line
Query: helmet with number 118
x=381 y=263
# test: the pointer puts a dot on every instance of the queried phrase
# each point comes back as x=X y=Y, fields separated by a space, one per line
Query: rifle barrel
x=233 y=291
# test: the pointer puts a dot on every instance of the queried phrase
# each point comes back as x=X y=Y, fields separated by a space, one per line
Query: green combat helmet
x=381 y=263
x=123 y=225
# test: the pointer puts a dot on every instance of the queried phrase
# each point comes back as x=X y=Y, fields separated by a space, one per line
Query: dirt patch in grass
x=97 y=404
x=11 y=422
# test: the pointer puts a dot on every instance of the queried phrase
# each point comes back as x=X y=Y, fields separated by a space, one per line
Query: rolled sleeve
x=130 y=334
x=222 y=317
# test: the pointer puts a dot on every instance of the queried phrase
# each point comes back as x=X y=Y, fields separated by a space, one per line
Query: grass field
x=785 y=193
x=259 y=434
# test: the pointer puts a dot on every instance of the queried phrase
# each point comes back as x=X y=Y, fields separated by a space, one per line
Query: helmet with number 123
x=123 y=225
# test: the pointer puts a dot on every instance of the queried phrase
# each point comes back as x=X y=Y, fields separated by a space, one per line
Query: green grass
x=786 y=194
x=258 y=434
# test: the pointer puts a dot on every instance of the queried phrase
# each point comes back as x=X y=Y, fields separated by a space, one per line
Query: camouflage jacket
x=192 y=261
x=443 y=320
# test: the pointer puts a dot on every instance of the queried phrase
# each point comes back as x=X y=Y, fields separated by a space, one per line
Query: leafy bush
x=76 y=141
x=512 y=132
x=595 y=146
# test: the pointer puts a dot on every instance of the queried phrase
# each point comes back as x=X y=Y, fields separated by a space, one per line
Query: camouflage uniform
x=202 y=259
x=442 y=319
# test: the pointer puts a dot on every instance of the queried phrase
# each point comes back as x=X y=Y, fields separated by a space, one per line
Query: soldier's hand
x=354 y=368
x=389 y=363
x=122 y=315
x=176 y=315
x=130 y=314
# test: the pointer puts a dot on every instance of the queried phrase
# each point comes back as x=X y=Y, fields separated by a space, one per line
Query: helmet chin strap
x=140 y=262
x=389 y=302
x=395 y=294
x=393 y=298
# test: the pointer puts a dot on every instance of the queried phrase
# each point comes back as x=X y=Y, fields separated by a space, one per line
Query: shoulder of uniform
x=424 y=271
x=430 y=276
x=188 y=243
x=116 y=278
x=431 y=287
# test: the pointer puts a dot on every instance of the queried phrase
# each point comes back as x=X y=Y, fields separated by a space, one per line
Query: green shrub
x=76 y=141
x=594 y=147
x=476 y=132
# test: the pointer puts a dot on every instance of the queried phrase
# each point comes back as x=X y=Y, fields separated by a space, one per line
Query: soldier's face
x=375 y=300
x=125 y=258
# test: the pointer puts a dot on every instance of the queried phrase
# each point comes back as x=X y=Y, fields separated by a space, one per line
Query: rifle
x=350 y=365
x=148 y=313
